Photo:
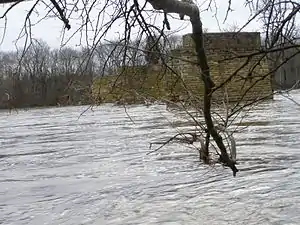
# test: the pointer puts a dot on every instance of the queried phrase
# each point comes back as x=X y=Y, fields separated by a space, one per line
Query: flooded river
x=58 y=169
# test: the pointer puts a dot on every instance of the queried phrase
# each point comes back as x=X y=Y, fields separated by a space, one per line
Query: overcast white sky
x=50 y=30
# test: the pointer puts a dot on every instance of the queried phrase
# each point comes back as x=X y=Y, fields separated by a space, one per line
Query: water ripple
x=58 y=169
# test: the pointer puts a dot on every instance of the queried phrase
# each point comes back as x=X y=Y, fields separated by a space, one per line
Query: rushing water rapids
x=58 y=169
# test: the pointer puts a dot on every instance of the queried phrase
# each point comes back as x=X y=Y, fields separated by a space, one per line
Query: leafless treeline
x=278 y=19
x=42 y=76
x=281 y=31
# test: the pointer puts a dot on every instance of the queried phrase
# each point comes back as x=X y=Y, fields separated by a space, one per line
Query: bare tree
x=281 y=31
x=152 y=52
x=41 y=76
x=277 y=16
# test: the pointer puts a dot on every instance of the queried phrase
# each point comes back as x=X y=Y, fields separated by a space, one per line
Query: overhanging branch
x=191 y=10
x=175 y=6
x=54 y=2
x=11 y=1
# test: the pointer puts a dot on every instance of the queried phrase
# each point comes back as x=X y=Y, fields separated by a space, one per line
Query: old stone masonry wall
x=238 y=73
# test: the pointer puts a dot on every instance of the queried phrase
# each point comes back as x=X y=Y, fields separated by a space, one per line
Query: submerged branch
x=183 y=139
x=191 y=10
x=208 y=85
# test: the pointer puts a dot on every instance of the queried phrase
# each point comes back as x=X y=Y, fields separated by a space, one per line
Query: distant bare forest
x=41 y=76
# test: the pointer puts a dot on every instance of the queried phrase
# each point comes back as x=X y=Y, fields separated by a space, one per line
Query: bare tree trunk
x=208 y=85
x=191 y=10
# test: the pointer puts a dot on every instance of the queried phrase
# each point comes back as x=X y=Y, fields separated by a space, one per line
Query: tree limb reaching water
x=191 y=10
x=281 y=44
